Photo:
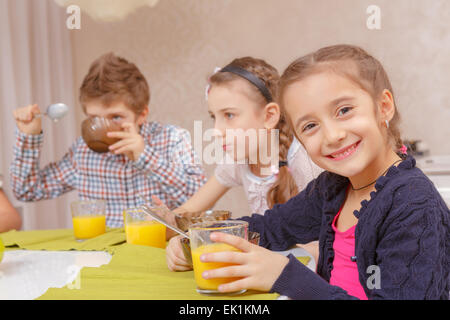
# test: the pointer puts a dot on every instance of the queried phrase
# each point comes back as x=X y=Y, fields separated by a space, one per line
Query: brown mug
x=94 y=132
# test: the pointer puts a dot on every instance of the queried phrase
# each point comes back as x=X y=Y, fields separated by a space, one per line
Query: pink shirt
x=345 y=272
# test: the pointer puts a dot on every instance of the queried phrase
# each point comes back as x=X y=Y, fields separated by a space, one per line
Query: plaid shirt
x=168 y=168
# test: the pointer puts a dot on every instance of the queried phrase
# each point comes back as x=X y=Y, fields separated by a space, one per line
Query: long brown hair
x=284 y=187
x=352 y=62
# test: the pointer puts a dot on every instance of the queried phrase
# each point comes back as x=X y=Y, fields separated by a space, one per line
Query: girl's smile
x=338 y=124
x=344 y=153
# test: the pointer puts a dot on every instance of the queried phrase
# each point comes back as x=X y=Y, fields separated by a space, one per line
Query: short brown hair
x=111 y=79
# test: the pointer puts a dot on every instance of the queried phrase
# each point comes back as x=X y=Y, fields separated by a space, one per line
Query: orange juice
x=147 y=233
x=200 y=267
x=2 y=248
x=88 y=226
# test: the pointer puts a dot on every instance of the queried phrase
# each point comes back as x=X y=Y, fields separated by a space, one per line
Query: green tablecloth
x=134 y=272
x=61 y=240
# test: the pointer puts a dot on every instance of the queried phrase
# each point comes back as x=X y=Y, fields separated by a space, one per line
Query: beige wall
x=178 y=43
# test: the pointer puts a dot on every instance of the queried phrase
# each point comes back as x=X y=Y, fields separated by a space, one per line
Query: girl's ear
x=143 y=116
x=387 y=106
x=272 y=115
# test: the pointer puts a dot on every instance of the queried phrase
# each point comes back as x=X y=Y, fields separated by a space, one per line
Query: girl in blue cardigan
x=383 y=228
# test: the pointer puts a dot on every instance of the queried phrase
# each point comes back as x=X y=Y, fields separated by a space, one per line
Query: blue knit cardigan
x=402 y=238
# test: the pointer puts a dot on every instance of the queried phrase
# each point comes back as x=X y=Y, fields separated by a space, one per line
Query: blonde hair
x=352 y=62
x=284 y=187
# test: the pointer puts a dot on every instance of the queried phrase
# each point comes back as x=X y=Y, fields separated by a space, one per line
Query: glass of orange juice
x=88 y=218
x=141 y=229
x=201 y=243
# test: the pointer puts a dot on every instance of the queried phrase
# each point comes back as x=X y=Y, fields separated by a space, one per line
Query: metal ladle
x=55 y=111
x=158 y=218
x=152 y=211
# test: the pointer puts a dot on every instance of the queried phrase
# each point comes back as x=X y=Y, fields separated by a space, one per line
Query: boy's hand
x=26 y=120
x=131 y=144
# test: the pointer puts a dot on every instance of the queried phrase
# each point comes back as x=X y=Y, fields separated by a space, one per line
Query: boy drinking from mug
x=148 y=159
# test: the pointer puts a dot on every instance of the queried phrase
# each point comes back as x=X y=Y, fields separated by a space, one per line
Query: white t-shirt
x=303 y=170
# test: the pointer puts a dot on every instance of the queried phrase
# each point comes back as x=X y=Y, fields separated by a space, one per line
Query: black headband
x=257 y=82
x=282 y=164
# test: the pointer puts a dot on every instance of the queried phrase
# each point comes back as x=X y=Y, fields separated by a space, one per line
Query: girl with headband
x=241 y=96
x=382 y=226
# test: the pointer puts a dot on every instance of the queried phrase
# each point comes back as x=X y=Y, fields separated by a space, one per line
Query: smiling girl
x=241 y=102
x=383 y=228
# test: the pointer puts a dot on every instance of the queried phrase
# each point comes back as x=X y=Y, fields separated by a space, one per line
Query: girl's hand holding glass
x=258 y=268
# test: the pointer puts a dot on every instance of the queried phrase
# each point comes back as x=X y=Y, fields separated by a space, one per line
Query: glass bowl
x=94 y=130
x=186 y=219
